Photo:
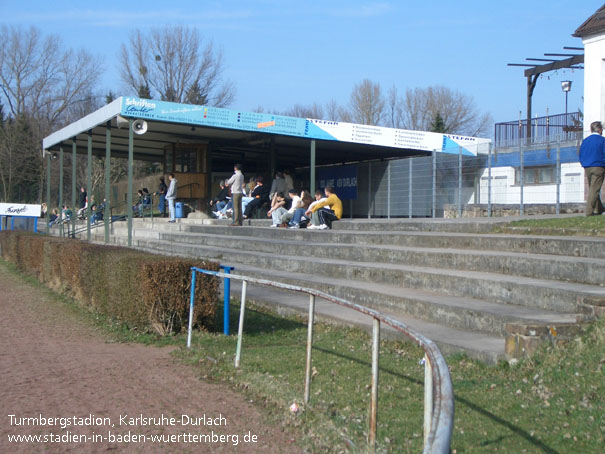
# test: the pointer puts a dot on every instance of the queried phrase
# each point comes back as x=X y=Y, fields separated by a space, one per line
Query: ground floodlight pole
x=309 y=348
x=240 y=329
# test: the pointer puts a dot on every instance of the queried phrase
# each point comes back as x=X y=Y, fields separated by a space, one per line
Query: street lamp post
x=566 y=87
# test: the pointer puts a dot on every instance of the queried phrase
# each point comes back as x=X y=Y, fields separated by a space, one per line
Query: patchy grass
x=552 y=403
x=576 y=225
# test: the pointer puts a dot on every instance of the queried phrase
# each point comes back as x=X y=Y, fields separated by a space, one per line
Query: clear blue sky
x=279 y=53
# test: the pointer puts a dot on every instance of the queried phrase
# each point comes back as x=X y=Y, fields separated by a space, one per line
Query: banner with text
x=299 y=127
x=20 y=209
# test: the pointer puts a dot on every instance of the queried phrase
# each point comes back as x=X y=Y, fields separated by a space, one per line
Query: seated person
x=295 y=202
x=279 y=207
x=328 y=210
x=299 y=213
x=97 y=212
x=136 y=208
x=54 y=217
x=260 y=196
x=66 y=215
x=221 y=199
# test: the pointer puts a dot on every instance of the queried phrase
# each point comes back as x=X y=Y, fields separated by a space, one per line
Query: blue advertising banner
x=299 y=127
x=343 y=179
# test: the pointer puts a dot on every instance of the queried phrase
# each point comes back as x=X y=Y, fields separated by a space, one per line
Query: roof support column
x=74 y=189
x=531 y=85
x=272 y=159
x=107 y=209
x=89 y=185
x=48 y=205
x=312 y=169
x=129 y=193
x=61 y=184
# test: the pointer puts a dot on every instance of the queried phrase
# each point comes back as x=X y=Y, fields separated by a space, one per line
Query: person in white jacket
x=171 y=196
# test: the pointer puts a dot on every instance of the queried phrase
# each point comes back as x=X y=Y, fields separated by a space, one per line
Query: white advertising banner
x=20 y=209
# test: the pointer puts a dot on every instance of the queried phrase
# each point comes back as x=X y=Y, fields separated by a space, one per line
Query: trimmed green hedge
x=145 y=291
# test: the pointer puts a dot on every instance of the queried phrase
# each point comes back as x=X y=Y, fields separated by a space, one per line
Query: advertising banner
x=299 y=127
x=342 y=178
x=20 y=209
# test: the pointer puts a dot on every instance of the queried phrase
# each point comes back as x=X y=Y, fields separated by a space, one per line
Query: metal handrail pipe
x=442 y=419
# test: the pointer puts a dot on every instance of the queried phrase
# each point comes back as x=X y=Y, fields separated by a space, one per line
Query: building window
x=536 y=175
x=185 y=161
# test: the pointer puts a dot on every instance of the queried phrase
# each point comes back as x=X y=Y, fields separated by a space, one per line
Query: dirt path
x=53 y=366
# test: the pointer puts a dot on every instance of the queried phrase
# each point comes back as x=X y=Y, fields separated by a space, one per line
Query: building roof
x=594 y=24
x=238 y=135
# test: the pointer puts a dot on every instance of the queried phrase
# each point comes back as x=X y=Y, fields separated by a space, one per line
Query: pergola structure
x=198 y=140
x=572 y=60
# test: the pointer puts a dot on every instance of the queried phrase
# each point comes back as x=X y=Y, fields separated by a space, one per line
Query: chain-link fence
x=455 y=182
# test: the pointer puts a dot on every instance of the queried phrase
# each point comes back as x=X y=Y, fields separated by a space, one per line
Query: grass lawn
x=576 y=225
x=553 y=403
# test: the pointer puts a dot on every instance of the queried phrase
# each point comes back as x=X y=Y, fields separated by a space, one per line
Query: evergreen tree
x=144 y=91
x=438 y=125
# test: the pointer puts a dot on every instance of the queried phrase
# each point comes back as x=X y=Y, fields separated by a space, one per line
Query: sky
x=279 y=53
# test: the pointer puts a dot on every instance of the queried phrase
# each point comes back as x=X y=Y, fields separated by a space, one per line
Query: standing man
x=592 y=158
x=171 y=196
x=162 y=193
x=236 y=183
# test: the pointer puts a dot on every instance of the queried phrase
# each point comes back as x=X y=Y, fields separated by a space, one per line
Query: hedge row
x=144 y=291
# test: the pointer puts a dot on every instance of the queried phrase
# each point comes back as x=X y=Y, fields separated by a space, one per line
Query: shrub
x=142 y=290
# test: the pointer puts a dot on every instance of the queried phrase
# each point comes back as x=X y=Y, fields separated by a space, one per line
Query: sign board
x=20 y=209
x=218 y=117
x=342 y=178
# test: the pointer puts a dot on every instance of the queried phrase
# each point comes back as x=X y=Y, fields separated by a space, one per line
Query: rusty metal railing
x=438 y=391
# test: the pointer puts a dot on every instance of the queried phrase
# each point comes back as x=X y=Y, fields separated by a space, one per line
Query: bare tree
x=456 y=112
x=173 y=63
x=367 y=103
x=394 y=114
x=40 y=84
x=335 y=112
x=300 y=111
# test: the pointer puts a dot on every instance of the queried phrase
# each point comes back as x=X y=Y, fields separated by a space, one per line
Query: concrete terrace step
x=467 y=225
x=482 y=346
x=587 y=247
x=542 y=266
x=455 y=312
x=464 y=290
x=539 y=293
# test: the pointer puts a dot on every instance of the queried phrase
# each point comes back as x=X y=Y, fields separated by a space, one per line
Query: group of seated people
x=301 y=211
x=66 y=214
x=292 y=209
x=256 y=195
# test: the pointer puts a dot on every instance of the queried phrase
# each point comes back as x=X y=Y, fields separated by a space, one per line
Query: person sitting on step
x=328 y=210
x=260 y=196
x=279 y=207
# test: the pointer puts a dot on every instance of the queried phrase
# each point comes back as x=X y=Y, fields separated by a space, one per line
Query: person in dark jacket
x=162 y=188
x=221 y=199
x=261 y=196
x=592 y=158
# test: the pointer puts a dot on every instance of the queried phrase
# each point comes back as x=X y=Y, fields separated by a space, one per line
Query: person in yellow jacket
x=328 y=210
